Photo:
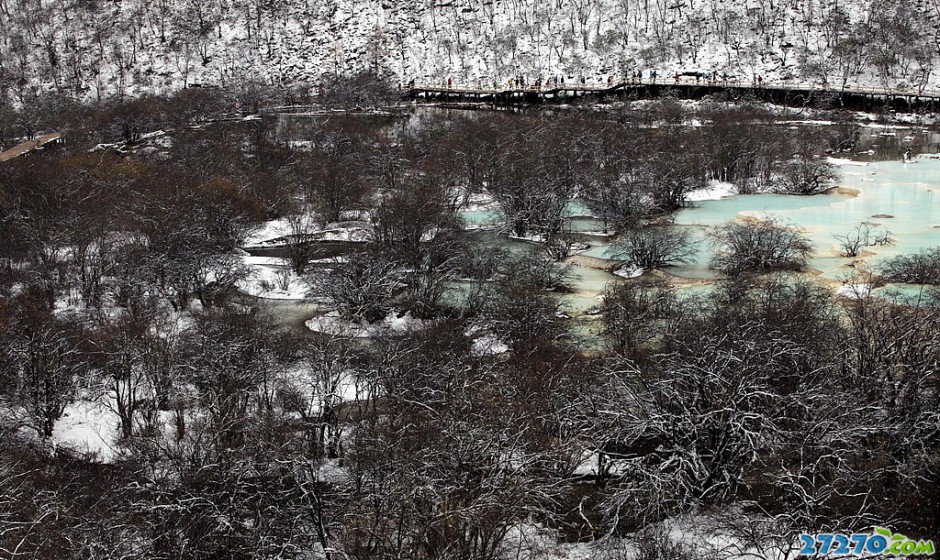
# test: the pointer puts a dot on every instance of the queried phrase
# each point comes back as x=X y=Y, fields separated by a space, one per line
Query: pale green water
x=482 y=218
x=909 y=294
x=808 y=213
x=908 y=192
x=590 y=278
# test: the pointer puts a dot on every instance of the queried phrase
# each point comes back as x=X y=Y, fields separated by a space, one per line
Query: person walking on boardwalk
x=760 y=80
x=450 y=83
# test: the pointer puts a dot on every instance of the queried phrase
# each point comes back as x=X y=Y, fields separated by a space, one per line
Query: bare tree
x=230 y=361
x=471 y=476
x=316 y=391
x=362 y=288
x=300 y=246
x=519 y=307
x=701 y=448
x=416 y=225
x=864 y=235
x=119 y=349
x=637 y=315
x=531 y=185
x=48 y=361
x=919 y=268
x=333 y=175
x=656 y=246
x=805 y=175
x=758 y=245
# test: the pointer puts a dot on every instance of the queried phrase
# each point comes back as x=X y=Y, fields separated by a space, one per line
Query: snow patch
x=846 y=162
x=854 y=291
x=529 y=237
x=629 y=272
x=715 y=190
x=488 y=345
x=479 y=201
x=333 y=324
x=272 y=278
x=89 y=426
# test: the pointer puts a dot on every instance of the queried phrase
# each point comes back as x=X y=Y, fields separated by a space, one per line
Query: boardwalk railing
x=482 y=89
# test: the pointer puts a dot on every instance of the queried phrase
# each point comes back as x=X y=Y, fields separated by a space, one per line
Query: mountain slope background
x=97 y=49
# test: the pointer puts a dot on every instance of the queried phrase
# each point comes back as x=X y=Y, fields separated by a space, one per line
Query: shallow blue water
x=903 y=198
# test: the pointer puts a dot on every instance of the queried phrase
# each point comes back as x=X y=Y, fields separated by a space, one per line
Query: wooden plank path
x=29 y=145
x=786 y=92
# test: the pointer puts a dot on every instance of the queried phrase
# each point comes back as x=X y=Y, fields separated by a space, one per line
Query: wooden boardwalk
x=29 y=145
x=793 y=93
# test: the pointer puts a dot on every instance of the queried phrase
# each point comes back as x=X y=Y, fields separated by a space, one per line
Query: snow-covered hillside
x=95 y=49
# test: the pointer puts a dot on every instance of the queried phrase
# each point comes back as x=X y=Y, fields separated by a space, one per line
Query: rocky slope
x=97 y=49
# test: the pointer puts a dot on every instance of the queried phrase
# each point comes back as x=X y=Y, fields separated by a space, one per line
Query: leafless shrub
x=655 y=247
x=919 y=268
x=362 y=287
x=805 y=175
x=759 y=245
x=863 y=235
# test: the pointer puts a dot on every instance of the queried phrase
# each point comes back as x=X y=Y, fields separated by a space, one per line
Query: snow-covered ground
x=89 y=425
x=721 y=535
x=266 y=232
x=715 y=190
x=854 y=291
x=324 y=387
x=846 y=162
x=278 y=232
x=629 y=272
x=478 y=202
x=488 y=345
x=529 y=237
x=332 y=324
x=272 y=278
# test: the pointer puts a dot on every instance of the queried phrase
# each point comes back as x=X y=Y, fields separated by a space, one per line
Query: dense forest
x=97 y=49
x=496 y=424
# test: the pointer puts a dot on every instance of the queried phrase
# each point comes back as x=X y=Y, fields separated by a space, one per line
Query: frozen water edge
x=846 y=162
